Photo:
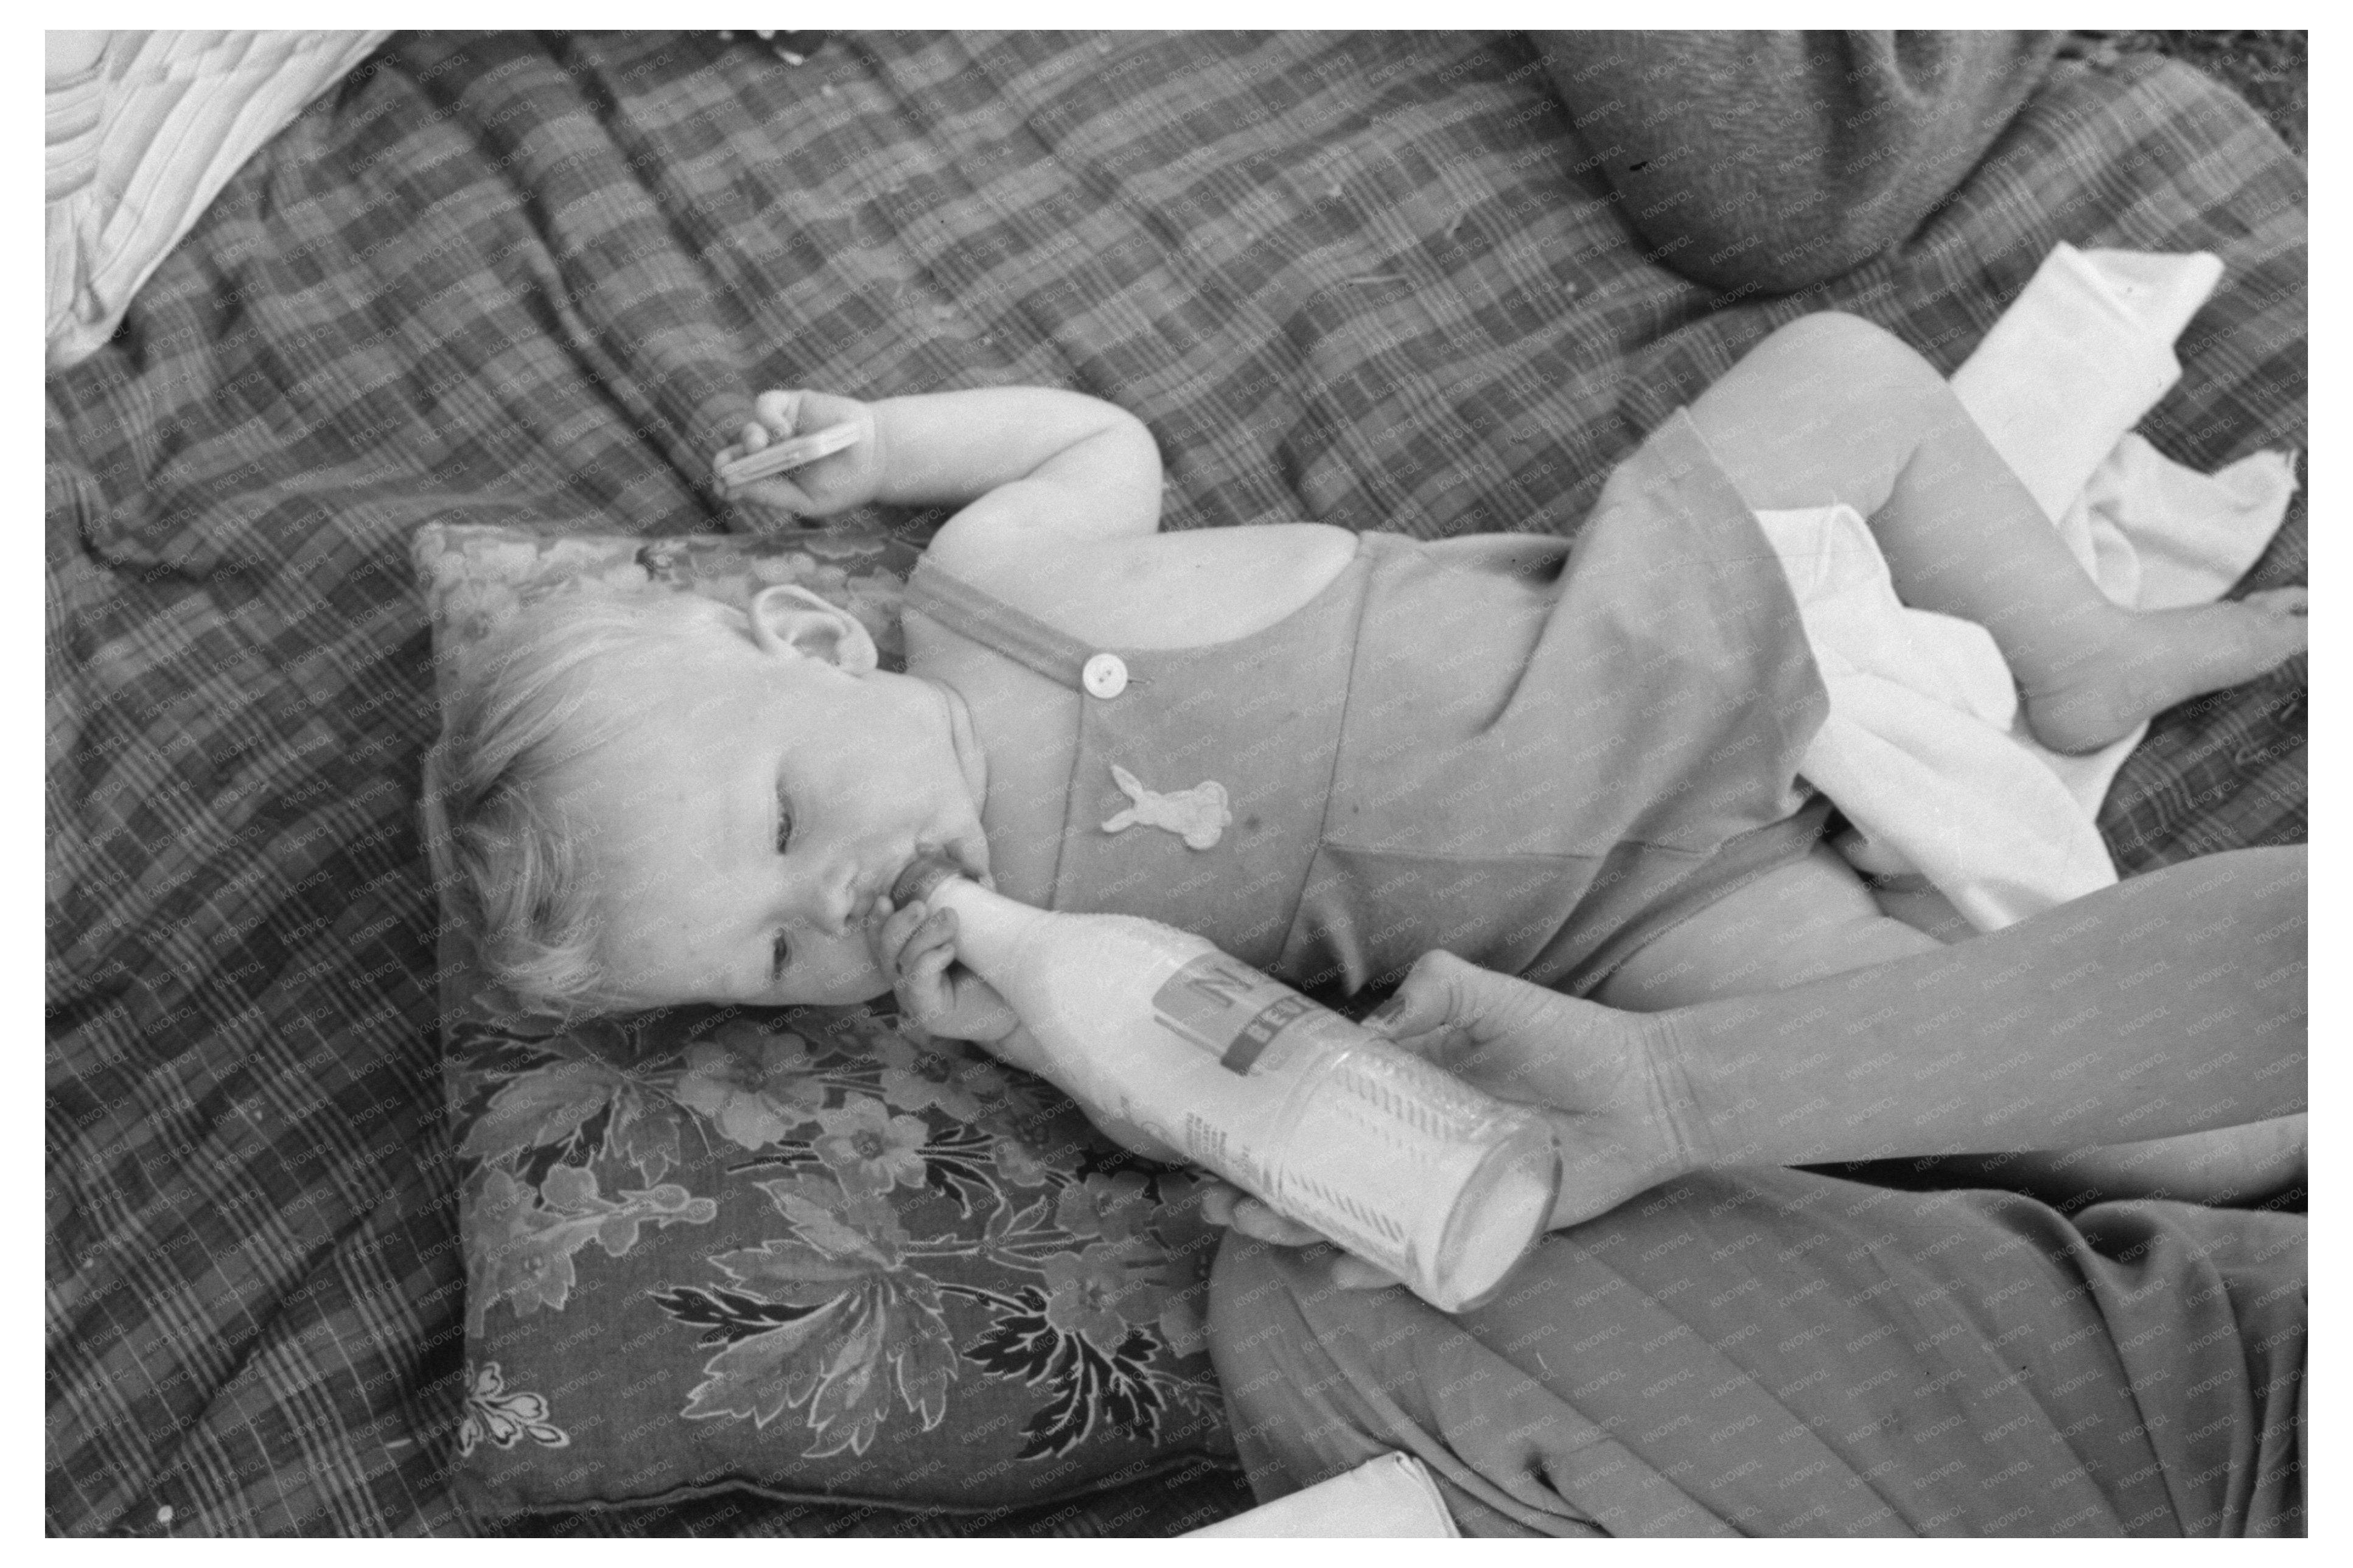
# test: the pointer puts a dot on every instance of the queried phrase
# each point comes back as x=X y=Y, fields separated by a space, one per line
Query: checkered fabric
x=538 y=279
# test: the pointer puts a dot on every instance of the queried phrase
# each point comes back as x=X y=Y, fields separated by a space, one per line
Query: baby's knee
x=1834 y=331
x=1862 y=357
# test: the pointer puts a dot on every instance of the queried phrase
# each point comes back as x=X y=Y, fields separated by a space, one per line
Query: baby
x=1325 y=751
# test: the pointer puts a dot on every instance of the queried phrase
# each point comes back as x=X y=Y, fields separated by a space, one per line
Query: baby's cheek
x=853 y=973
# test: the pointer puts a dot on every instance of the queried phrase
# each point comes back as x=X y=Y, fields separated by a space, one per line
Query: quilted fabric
x=536 y=281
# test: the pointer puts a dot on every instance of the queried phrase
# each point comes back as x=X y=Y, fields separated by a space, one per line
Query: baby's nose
x=838 y=906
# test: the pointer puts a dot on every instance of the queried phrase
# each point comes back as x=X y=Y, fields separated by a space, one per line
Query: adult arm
x=1774 y=160
x=2169 y=1003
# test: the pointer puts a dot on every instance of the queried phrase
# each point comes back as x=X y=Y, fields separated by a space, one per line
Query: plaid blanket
x=537 y=278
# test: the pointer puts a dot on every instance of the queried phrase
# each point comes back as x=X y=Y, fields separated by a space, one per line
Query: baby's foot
x=2159 y=657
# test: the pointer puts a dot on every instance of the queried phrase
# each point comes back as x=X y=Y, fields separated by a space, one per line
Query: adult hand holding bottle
x=2169 y=1003
x=1606 y=1080
x=1172 y=1045
x=1610 y=1082
x=1597 y=1074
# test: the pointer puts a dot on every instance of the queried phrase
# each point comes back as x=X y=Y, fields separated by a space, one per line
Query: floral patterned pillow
x=810 y=1251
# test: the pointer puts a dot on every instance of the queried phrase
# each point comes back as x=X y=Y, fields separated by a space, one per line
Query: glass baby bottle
x=1325 y=1120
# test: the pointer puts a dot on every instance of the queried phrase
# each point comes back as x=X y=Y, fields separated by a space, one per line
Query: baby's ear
x=786 y=619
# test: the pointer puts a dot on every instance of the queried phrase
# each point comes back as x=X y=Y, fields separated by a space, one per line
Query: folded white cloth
x=1923 y=749
x=1389 y=1497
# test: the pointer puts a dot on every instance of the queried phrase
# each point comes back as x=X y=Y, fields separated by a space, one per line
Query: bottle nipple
x=923 y=873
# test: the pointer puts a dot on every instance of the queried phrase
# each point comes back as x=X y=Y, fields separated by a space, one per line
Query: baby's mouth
x=970 y=853
x=871 y=906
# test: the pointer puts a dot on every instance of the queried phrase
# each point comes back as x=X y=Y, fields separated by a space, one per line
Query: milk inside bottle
x=1333 y=1126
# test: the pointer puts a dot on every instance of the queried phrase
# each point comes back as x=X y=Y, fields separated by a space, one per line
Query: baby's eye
x=784 y=821
x=781 y=956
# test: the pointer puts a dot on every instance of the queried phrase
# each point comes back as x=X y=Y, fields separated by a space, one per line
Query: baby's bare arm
x=947 y=447
x=1062 y=466
x=1058 y=465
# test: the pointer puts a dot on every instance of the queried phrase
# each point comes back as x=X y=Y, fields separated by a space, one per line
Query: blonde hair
x=519 y=863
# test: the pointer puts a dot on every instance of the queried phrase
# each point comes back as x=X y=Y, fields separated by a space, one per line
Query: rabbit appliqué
x=1198 y=815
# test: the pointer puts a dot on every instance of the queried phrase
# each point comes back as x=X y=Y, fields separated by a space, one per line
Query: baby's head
x=655 y=798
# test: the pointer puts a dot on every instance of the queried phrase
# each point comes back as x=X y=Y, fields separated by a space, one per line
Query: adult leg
x=1774 y=1353
x=1775 y=160
x=1830 y=409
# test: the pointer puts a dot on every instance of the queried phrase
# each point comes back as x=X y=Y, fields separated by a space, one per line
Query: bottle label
x=1230 y=1011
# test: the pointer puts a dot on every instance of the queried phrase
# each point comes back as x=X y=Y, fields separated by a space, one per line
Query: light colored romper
x=1534 y=755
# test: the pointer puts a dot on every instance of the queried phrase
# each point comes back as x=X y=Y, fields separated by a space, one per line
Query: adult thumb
x=1440 y=994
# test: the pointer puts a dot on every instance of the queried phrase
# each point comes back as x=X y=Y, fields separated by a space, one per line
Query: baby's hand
x=916 y=946
x=831 y=484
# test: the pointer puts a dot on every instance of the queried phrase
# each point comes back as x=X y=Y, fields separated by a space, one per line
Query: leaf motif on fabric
x=504 y=1417
x=1088 y=1386
x=958 y=1165
x=520 y=1248
x=1020 y=1343
x=756 y=1376
x=556 y=1099
x=922 y=1352
x=880 y=1336
x=794 y=1271
x=851 y=1395
x=645 y=1133
x=726 y=1316
x=840 y=1224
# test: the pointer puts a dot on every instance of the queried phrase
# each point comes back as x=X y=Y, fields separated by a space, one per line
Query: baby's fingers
x=923 y=988
x=1352 y=1273
x=889 y=936
x=1231 y=1208
x=779 y=410
x=935 y=935
x=906 y=933
x=1235 y=1209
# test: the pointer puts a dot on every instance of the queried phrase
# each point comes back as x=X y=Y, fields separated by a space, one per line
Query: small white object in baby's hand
x=798 y=451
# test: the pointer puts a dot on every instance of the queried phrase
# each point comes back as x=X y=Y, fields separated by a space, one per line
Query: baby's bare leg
x=1830 y=409
x=1795 y=923
x=1815 y=917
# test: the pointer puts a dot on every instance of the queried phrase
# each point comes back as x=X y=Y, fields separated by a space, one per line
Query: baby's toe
x=2274 y=627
